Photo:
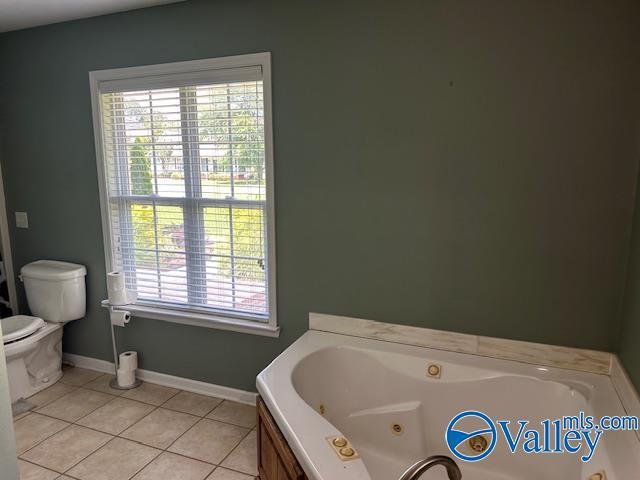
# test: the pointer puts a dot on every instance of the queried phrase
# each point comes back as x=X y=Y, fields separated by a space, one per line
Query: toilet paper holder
x=114 y=382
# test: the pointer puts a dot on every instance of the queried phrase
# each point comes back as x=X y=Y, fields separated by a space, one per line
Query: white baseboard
x=195 y=386
x=88 y=362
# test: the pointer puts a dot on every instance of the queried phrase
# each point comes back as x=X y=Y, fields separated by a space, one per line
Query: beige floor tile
x=34 y=428
x=120 y=459
x=236 y=413
x=150 y=393
x=64 y=477
x=76 y=404
x=21 y=415
x=66 y=448
x=209 y=441
x=50 y=394
x=116 y=416
x=169 y=466
x=244 y=457
x=101 y=384
x=225 y=474
x=192 y=403
x=29 y=471
x=78 y=376
x=160 y=428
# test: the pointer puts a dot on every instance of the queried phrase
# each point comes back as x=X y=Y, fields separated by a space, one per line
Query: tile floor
x=81 y=429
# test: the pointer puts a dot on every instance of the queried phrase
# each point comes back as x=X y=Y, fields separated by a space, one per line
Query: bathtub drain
x=598 y=476
x=478 y=443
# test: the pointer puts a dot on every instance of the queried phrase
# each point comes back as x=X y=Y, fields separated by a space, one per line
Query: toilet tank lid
x=52 y=270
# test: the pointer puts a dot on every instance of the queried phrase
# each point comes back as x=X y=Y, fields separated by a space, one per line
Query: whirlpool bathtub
x=381 y=398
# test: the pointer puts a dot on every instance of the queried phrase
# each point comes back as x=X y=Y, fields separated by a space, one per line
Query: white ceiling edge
x=20 y=14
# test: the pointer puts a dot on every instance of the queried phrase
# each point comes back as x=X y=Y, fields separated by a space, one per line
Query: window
x=186 y=180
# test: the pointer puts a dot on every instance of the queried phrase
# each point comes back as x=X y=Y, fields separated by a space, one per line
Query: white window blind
x=185 y=170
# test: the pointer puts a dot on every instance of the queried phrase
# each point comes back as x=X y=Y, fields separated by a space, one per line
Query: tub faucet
x=418 y=468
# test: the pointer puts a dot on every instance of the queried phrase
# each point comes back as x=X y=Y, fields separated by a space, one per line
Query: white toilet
x=56 y=294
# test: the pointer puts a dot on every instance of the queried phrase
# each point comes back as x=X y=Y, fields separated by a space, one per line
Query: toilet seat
x=19 y=326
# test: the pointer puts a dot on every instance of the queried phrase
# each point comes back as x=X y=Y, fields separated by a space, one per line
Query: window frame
x=195 y=70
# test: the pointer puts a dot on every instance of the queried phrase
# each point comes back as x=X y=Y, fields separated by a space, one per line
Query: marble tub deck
x=535 y=353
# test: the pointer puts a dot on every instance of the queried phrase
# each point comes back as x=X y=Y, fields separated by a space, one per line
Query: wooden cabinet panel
x=275 y=459
x=268 y=458
x=282 y=472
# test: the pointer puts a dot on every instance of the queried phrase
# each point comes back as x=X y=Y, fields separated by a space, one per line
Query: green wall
x=458 y=165
x=629 y=343
x=629 y=348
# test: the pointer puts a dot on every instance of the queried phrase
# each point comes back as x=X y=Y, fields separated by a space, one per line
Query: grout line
x=119 y=435
x=111 y=390
x=189 y=413
x=46 y=438
x=189 y=457
x=183 y=434
x=53 y=399
x=61 y=379
x=135 y=423
x=177 y=391
x=71 y=425
x=199 y=394
x=21 y=416
x=155 y=407
x=200 y=460
x=234 y=448
x=146 y=464
x=39 y=466
x=66 y=428
x=113 y=437
x=228 y=422
x=163 y=450
x=91 y=453
x=88 y=413
x=215 y=408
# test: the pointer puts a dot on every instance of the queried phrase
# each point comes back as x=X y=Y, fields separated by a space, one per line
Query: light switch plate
x=22 y=221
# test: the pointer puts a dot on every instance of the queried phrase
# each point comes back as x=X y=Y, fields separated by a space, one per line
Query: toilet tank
x=55 y=290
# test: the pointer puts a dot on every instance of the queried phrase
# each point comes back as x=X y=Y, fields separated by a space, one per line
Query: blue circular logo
x=456 y=438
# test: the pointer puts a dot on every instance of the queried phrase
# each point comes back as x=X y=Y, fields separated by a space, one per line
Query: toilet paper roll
x=120 y=318
x=122 y=298
x=131 y=297
x=115 y=281
x=126 y=378
x=128 y=361
x=117 y=293
x=118 y=299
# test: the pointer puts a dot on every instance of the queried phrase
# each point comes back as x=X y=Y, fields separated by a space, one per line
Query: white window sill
x=200 y=320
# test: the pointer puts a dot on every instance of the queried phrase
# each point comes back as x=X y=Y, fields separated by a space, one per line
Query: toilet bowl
x=34 y=354
x=33 y=344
